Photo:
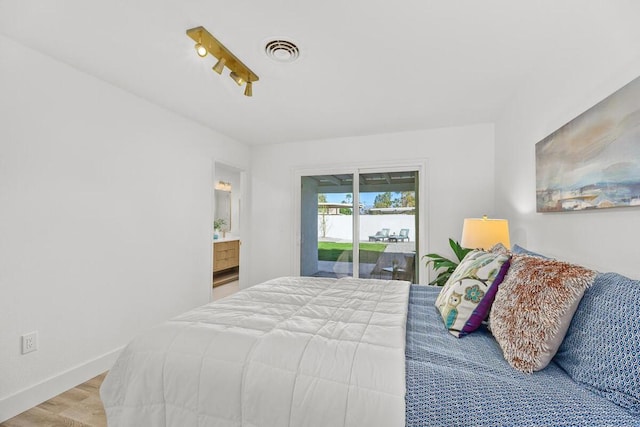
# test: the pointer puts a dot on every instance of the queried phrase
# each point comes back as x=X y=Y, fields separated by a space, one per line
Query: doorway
x=227 y=225
x=361 y=223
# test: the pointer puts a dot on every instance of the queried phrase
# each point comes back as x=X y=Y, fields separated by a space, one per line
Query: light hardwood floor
x=222 y=291
x=81 y=406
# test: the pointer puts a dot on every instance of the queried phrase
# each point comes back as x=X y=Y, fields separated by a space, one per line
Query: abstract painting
x=593 y=162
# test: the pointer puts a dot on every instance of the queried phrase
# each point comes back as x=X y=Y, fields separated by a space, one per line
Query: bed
x=289 y=352
x=467 y=381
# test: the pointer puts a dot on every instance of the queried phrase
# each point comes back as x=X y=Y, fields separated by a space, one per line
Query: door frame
x=242 y=217
x=419 y=165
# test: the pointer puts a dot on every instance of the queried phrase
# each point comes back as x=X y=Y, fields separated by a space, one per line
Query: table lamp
x=483 y=233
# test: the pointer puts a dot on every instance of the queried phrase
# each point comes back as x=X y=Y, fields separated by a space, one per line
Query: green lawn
x=369 y=252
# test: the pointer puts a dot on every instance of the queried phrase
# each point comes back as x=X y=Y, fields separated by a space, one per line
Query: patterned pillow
x=533 y=309
x=602 y=347
x=466 y=298
x=499 y=248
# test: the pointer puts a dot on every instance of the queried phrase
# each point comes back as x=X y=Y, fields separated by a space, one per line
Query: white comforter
x=299 y=352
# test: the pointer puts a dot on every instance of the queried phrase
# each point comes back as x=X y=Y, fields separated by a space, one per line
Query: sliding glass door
x=388 y=225
x=377 y=210
x=326 y=244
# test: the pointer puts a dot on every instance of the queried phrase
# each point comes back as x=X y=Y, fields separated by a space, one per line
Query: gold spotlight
x=201 y=50
x=237 y=78
x=206 y=43
x=219 y=65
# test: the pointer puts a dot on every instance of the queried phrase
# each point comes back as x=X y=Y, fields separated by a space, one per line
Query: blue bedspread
x=466 y=382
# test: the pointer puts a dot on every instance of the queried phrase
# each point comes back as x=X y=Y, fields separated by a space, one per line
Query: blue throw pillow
x=519 y=250
x=602 y=347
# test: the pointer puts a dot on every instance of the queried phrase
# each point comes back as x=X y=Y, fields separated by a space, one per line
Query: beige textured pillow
x=534 y=307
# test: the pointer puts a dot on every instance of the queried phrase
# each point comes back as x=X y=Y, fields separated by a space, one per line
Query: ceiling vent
x=282 y=50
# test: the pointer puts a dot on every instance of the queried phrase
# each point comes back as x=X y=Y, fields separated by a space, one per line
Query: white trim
x=421 y=165
x=32 y=396
x=355 y=224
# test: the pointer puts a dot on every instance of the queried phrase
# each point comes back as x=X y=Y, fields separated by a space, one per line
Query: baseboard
x=35 y=395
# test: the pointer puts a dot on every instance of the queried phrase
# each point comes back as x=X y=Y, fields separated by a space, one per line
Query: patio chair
x=377 y=272
x=404 y=235
x=408 y=272
x=398 y=266
x=381 y=235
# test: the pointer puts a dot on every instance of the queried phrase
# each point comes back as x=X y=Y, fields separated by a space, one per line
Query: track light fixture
x=240 y=73
x=201 y=50
x=236 y=78
x=219 y=65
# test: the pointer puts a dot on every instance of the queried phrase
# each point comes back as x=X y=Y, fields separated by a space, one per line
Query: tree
x=348 y=198
x=408 y=199
x=404 y=199
x=322 y=198
x=382 y=200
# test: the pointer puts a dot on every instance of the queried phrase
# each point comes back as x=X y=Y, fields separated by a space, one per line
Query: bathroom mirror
x=223 y=208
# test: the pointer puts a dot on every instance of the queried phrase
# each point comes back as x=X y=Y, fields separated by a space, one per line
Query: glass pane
x=388 y=225
x=326 y=247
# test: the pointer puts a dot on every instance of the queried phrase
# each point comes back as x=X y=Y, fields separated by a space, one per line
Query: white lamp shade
x=483 y=233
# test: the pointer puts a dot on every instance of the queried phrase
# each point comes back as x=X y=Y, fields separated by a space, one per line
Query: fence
x=339 y=227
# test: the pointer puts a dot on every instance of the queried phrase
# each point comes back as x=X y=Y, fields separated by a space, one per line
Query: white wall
x=460 y=180
x=105 y=221
x=606 y=240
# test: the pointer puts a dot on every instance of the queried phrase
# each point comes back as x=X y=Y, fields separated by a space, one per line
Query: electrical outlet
x=29 y=342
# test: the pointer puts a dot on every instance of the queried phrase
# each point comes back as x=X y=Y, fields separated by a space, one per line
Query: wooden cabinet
x=226 y=261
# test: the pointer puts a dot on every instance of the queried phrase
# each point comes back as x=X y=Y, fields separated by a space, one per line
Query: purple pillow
x=482 y=310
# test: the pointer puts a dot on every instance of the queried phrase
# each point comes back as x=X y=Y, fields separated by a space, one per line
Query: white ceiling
x=366 y=66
